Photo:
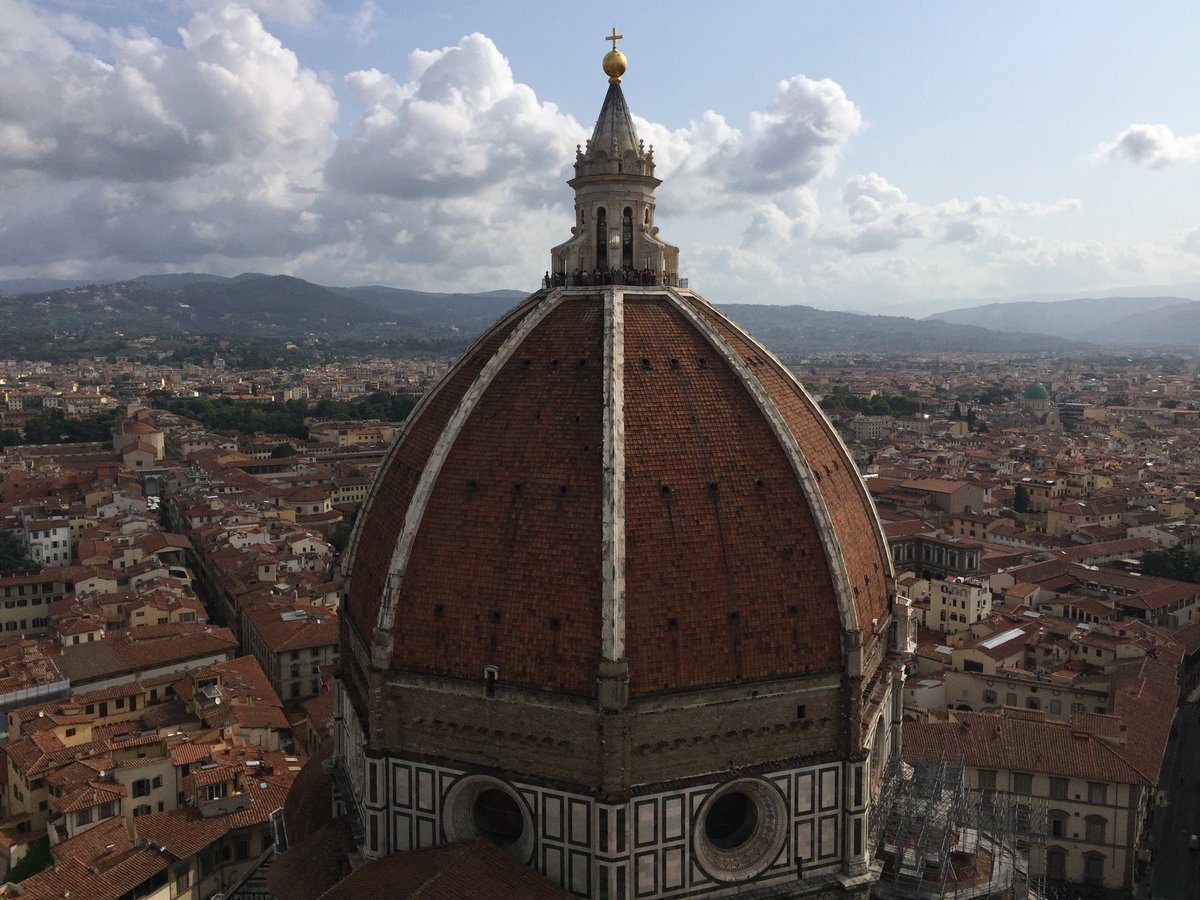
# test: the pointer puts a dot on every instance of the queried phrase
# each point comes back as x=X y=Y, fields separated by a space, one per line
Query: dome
x=617 y=475
x=618 y=600
x=1037 y=391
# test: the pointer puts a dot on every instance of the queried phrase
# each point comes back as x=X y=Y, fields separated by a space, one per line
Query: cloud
x=362 y=23
x=462 y=125
x=1191 y=241
x=796 y=140
x=293 y=12
x=877 y=216
x=1152 y=146
x=147 y=111
x=120 y=150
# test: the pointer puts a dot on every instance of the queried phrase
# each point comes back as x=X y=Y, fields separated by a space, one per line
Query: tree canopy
x=13 y=558
x=222 y=414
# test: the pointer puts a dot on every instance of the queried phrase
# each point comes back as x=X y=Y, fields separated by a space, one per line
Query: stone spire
x=614 y=132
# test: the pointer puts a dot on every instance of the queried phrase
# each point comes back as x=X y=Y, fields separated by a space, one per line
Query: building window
x=1010 y=699
x=1094 y=828
x=987 y=779
x=989 y=697
x=141 y=787
x=1093 y=868
x=1022 y=783
x=1097 y=792
x=1058 y=823
x=1058 y=788
x=1056 y=863
x=84 y=817
x=1033 y=703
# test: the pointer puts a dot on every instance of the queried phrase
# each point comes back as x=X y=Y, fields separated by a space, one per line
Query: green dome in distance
x=1037 y=391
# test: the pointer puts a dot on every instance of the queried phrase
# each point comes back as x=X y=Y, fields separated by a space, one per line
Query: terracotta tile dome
x=623 y=474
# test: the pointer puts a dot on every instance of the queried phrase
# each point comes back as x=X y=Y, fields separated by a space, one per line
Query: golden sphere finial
x=615 y=63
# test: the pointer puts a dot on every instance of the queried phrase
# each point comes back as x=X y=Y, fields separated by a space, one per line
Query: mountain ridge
x=1111 y=321
x=282 y=306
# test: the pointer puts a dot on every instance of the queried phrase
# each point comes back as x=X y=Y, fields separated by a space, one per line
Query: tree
x=971 y=418
x=1021 y=499
x=37 y=857
x=957 y=414
x=13 y=558
x=1177 y=562
x=282 y=451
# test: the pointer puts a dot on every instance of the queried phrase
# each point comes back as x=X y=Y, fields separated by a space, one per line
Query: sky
x=870 y=157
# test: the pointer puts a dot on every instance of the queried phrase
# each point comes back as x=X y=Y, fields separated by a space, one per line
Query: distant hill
x=14 y=287
x=181 y=279
x=469 y=313
x=280 y=306
x=804 y=330
x=1113 y=321
x=253 y=305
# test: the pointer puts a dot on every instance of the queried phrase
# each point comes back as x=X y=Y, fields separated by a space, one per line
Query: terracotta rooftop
x=100 y=864
x=135 y=650
x=477 y=869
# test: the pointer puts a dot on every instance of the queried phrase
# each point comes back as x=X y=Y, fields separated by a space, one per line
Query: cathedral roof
x=625 y=475
x=617 y=477
x=614 y=132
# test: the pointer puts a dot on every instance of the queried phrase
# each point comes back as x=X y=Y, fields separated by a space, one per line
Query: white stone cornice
x=437 y=457
x=791 y=448
x=613 y=534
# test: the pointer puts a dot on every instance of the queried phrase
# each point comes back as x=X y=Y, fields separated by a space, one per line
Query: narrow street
x=1176 y=868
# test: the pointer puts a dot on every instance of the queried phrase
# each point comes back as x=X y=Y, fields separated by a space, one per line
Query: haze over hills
x=1111 y=321
x=281 y=306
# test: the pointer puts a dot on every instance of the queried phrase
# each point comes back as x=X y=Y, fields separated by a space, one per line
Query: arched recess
x=601 y=239
x=627 y=238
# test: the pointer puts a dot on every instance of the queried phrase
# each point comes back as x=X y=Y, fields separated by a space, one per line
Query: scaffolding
x=939 y=840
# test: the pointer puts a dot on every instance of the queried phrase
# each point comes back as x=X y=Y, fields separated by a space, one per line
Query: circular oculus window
x=740 y=829
x=481 y=806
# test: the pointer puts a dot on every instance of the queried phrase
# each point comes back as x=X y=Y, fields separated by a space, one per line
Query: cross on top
x=614 y=37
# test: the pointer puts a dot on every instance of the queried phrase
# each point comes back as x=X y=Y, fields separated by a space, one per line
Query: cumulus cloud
x=797 y=139
x=152 y=112
x=138 y=152
x=459 y=127
x=1152 y=146
x=876 y=216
